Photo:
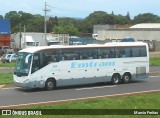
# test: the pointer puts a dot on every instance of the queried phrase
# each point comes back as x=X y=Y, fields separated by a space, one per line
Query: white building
x=147 y=32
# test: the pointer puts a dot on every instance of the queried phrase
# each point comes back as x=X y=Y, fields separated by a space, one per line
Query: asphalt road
x=16 y=96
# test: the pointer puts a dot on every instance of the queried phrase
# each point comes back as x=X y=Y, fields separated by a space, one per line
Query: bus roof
x=111 y=44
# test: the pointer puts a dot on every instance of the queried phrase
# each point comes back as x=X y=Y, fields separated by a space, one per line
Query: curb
x=6 y=86
x=2 y=86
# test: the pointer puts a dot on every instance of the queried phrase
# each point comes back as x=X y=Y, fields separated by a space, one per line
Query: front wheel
x=115 y=79
x=50 y=84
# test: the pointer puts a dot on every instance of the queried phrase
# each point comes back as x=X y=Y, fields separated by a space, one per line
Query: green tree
x=68 y=29
x=100 y=17
x=86 y=26
x=33 y=23
x=128 y=16
x=145 y=18
x=14 y=20
x=122 y=19
x=36 y=24
x=53 y=21
x=24 y=17
x=1 y=17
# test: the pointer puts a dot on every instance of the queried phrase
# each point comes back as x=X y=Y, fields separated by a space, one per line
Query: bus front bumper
x=30 y=85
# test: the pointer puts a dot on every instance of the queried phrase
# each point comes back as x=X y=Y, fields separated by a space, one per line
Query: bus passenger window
x=99 y=57
x=80 y=57
x=55 y=59
x=89 y=56
x=84 y=56
x=120 y=53
x=88 y=53
x=36 y=63
x=69 y=54
x=128 y=52
x=62 y=59
x=106 y=53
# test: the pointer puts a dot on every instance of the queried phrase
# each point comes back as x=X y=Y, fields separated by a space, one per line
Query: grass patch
x=155 y=61
x=6 y=78
x=143 y=101
x=9 y=65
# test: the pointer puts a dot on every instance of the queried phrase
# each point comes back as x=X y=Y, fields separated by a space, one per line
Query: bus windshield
x=23 y=64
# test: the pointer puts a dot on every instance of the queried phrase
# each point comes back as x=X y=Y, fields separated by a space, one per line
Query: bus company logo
x=6 y=112
x=92 y=64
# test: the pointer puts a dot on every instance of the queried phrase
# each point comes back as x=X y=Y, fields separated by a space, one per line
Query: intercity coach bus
x=52 y=66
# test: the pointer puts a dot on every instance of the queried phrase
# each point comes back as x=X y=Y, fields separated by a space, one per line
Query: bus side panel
x=83 y=72
x=138 y=67
x=39 y=77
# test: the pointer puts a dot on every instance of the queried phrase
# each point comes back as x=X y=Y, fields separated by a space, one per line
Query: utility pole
x=20 y=37
x=45 y=20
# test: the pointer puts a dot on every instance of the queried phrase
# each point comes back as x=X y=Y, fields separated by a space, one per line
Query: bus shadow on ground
x=78 y=86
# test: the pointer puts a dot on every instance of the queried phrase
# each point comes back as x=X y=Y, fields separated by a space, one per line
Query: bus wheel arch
x=126 y=78
x=50 y=84
x=116 y=78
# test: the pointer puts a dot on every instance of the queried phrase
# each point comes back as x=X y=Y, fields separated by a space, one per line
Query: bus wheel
x=50 y=84
x=115 y=79
x=126 y=78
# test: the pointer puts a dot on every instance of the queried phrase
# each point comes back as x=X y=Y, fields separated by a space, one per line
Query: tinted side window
x=123 y=52
x=68 y=54
x=120 y=52
x=106 y=53
x=139 y=51
x=128 y=51
x=143 y=51
x=48 y=56
x=88 y=53
x=36 y=63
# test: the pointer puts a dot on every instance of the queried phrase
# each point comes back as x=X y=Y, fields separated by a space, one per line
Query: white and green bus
x=52 y=66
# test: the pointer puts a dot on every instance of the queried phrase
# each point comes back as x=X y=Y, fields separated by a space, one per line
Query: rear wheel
x=115 y=79
x=50 y=84
x=126 y=78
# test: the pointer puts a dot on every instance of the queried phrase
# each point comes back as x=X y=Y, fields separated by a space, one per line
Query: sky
x=81 y=8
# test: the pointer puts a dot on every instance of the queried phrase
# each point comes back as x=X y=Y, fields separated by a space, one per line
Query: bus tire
x=126 y=78
x=50 y=84
x=115 y=79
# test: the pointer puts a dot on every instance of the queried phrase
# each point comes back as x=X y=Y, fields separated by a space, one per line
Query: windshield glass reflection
x=23 y=64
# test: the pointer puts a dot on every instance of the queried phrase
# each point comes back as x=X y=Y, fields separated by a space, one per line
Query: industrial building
x=23 y=40
x=147 y=32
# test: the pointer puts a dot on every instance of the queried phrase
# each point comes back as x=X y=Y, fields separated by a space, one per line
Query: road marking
x=68 y=100
x=155 y=72
x=154 y=76
x=96 y=87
